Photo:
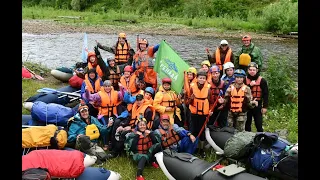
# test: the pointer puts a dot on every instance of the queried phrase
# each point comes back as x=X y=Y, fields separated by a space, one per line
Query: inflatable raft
x=63 y=73
x=51 y=97
x=217 y=140
x=183 y=166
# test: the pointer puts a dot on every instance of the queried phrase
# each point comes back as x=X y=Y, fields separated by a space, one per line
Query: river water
x=57 y=50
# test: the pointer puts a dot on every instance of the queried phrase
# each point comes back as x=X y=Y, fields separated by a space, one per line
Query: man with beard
x=172 y=135
x=222 y=55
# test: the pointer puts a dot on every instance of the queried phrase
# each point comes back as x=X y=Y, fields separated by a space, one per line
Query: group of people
x=123 y=106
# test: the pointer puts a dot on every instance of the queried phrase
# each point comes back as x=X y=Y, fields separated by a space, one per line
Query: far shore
x=53 y=27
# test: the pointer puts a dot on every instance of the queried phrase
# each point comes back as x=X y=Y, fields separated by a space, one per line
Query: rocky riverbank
x=52 y=27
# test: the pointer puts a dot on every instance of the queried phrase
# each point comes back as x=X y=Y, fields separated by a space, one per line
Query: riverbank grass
x=133 y=20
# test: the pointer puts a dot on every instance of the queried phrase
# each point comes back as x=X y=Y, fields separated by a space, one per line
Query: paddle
x=50 y=90
x=137 y=42
x=190 y=146
x=34 y=74
x=208 y=53
x=208 y=117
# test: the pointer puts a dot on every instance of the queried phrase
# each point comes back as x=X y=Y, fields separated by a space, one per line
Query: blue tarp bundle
x=51 y=113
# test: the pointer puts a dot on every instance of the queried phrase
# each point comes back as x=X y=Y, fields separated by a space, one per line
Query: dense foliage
x=279 y=16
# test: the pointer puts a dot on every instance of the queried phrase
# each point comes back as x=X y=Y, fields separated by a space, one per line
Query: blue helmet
x=239 y=73
x=149 y=90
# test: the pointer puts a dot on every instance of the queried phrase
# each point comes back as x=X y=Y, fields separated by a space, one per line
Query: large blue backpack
x=269 y=149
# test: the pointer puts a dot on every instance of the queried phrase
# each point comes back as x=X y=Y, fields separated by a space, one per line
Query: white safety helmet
x=228 y=65
x=224 y=42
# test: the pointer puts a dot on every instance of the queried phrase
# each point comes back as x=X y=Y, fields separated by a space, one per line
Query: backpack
x=239 y=145
x=289 y=166
x=36 y=174
x=268 y=150
x=92 y=131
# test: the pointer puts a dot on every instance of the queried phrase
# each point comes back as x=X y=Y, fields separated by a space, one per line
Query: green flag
x=169 y=64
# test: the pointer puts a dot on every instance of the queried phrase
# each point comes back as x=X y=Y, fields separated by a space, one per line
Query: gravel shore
x=52 y=27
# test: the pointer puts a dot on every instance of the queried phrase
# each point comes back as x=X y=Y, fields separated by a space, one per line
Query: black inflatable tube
x=220 y=137
x=52 y=97
x=182 y=170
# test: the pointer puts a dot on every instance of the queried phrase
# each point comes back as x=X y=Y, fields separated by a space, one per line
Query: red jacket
x=60 y=163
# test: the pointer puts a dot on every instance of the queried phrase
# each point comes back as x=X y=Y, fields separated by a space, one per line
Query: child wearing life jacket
x=142 y=144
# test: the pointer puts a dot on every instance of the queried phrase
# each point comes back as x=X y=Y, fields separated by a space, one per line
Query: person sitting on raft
x=172 y=135
x=84 y=124
x=142 y=145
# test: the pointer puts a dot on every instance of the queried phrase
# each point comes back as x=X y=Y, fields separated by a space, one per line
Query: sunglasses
x=84 y=110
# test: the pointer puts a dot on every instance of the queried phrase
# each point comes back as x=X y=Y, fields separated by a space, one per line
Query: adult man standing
x=249 y=52
x=222 y=55
x=123 y=53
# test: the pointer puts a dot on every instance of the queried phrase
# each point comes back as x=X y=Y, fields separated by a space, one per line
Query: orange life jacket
x=215 y=90
x=218 y=59
x=237 y=98
x=98 y=69
x=131 y=85
x=122 y=53
x=256 y=89
x=129 y=106
x=89 y=86
x=167 y=139
x=142 y=65
x=108 y=105
x=114 y=77
x=200 y=104
x=136 y=111
x=144 y=144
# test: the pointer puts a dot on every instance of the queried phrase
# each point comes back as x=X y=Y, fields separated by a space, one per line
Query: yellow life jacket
x=244 y=59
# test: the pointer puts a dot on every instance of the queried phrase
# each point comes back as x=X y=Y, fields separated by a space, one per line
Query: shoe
x=202 y=153
x=140 y=178
x=155 y=165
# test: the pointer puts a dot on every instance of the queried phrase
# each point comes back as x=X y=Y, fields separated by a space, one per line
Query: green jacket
x=136 y=156
x=253 y=51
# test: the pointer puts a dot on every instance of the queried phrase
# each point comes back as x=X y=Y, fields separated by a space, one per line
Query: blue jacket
x=78 y=126
x=83 y=86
